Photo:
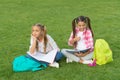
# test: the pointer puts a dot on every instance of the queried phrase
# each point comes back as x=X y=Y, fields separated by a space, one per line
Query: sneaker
x=87 y=62
x=92 y=64
x=55 y=64
x=68 y=60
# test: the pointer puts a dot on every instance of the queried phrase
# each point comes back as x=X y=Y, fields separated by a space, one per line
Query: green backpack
x=102 y=52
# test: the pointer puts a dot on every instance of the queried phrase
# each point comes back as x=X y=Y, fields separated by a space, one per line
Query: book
x=49 y=57
x=77 y=51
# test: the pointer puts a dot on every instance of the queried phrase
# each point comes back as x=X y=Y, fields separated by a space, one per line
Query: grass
x=17 y=17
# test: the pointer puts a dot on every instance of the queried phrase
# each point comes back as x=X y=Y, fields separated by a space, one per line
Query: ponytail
x=73 y=27
x=89 y=25
x=43 y=35
x=74 y=30
x=45 y=39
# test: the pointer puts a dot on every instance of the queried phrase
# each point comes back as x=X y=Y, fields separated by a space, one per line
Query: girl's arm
x=72 y=40
x=90 y=41
x=33 y=45
x=52 y=43
x=82 y=54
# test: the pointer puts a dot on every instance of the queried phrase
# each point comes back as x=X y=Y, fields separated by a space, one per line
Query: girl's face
x=81 y=26
x=36 y=31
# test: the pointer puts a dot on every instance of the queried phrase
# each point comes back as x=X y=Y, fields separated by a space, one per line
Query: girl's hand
x=34 y=38
x=33 y=45
x=80 y=54
x=76 y=39
x=76 y=54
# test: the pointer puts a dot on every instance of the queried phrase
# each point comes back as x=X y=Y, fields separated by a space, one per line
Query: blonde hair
x=43 y=35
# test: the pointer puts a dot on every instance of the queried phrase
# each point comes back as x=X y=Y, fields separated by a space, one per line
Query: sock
x=87 y=61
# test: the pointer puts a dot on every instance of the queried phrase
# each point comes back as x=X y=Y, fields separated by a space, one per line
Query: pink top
x=87 y=37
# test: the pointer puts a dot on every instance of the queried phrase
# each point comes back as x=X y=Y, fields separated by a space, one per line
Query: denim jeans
x=59 y=55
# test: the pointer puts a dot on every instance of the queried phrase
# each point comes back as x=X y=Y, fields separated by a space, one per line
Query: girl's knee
x=63 y=51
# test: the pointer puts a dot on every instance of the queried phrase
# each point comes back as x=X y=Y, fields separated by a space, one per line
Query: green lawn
x=17 y=17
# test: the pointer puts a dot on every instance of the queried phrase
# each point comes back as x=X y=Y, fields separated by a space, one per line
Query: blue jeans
x=58 y=56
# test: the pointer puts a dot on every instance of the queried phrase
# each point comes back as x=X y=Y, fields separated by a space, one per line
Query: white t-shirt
x=80 y=44
x=51 y=44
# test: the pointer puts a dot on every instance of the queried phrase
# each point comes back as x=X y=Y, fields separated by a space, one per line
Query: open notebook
x=49 y=57
x=77 y=51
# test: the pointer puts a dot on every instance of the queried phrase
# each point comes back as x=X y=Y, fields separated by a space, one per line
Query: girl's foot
x=92 y=64
x=68 y=60
x=87 y=61
x=55 y=64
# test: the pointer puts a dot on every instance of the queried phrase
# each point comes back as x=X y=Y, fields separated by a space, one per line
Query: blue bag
x=23 y=63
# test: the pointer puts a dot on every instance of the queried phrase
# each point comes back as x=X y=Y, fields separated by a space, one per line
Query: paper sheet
x=49 y=57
